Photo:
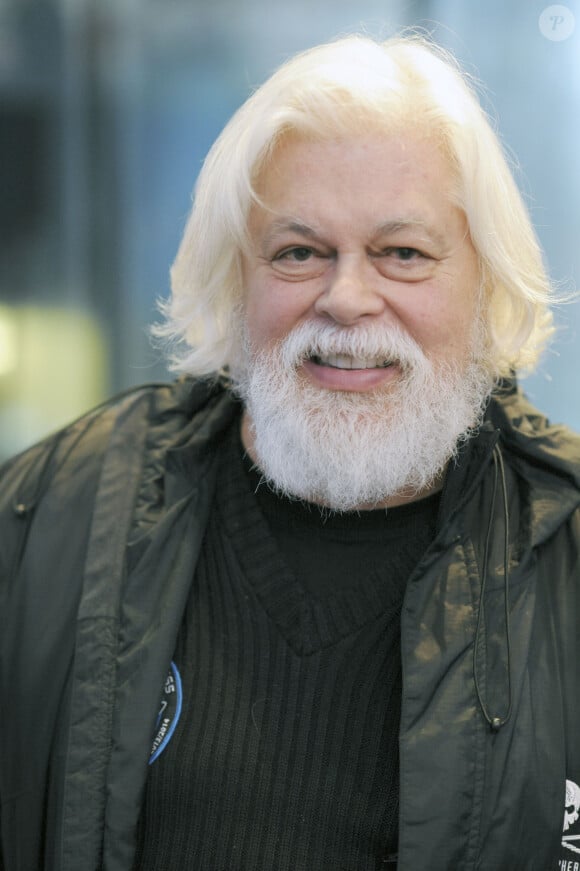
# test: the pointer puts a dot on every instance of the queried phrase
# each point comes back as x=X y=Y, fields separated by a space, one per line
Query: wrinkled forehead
x=270 y=164
x=397 y=179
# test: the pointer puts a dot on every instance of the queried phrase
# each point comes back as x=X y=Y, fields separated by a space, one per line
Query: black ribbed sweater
x=286 y=754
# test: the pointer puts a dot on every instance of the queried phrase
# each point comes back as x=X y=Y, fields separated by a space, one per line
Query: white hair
x=341 y=89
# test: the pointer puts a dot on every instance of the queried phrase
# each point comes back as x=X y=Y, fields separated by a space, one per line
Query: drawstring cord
x=495 y=722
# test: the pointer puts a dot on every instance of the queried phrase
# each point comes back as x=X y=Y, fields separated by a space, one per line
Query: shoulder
x=529 y=435
x=132 y=430
x=167 y=408
x=545 y=460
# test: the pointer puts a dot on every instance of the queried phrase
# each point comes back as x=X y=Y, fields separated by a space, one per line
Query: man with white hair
x=315 y=605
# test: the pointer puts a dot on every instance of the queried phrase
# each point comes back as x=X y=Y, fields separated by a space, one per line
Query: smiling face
x=359 y=231
x=360 y=236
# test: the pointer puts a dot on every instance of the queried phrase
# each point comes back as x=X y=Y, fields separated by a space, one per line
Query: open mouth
x=345 y=361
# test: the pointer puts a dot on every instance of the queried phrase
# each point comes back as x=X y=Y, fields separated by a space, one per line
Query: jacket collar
x=546 y=458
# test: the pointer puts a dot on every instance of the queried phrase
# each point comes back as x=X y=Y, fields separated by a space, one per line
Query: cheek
x=273 y=309
x=269 y=316
x=442 y=322
x=259 y=310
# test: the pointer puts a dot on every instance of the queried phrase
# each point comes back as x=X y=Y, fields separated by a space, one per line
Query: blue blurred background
x=107 y=108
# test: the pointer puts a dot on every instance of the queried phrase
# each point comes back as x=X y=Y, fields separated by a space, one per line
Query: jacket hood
x=185 y=416
x=546 y=458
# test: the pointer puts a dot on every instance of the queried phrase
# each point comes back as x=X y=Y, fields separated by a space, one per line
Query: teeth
x=343 y=361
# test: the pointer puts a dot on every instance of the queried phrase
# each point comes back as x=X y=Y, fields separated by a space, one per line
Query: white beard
x=349 y=450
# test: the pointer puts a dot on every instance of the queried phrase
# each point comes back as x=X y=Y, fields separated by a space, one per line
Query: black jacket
x=101 y=526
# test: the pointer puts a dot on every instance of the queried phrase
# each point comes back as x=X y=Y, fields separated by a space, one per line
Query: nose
x=352 y=292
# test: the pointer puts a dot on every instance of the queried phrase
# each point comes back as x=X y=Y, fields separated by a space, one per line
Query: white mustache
x=368 y=342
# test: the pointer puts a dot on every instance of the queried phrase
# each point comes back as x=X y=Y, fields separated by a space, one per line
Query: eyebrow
x=401 y=224
x=292 y=225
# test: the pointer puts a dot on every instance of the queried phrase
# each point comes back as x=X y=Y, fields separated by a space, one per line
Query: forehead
x=383 y=178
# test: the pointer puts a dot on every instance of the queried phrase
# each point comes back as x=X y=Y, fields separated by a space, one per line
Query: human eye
x=299 y=262
x=405 y=263
x=295 y=254
x=404 y=254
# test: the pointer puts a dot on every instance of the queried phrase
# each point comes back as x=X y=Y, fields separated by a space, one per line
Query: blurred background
x=107 y=108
